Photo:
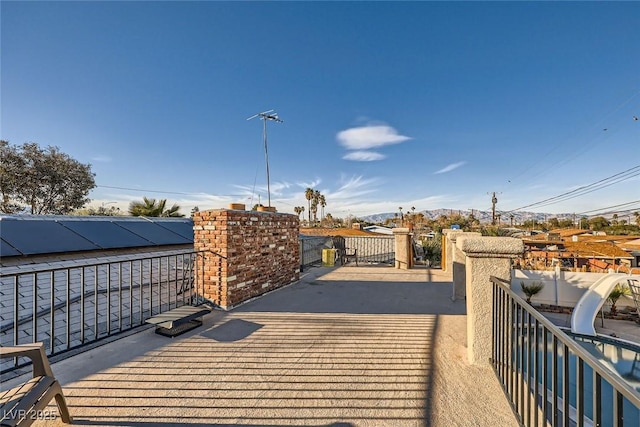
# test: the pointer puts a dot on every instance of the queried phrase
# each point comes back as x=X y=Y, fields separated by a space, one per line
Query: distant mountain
x=483 y=216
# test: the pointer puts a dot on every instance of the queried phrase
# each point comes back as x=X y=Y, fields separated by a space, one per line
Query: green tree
x=42 y=181
x=99 y=211
x=584 y=223
x=104 y=211
x=329 y=221
x=566 y=223
x=153 y=208
x=598 y=223
x=493 y=230
x=553 y=223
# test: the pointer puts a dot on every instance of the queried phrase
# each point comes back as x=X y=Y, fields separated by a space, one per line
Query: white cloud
x=363 y=156
x=450 y=167
x=312 y=184
x=367 y=137
x=353 y=187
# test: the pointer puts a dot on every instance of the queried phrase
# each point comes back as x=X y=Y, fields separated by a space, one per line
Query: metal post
x=266 y=157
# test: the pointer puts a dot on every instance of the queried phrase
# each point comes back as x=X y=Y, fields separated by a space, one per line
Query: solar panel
x=183 y=228
x=106 y=234
x=32 y=237
x=154 y=233
x=7 y=250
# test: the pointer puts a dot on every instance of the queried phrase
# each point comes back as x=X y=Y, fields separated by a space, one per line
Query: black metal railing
x=549 y=378
x=69 y=307
x=311 y=250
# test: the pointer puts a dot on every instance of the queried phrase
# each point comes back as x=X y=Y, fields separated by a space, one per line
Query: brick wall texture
x=259 y=253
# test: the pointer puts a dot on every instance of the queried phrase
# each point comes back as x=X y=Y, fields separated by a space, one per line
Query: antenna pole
x=266 y=157
x=264 y=116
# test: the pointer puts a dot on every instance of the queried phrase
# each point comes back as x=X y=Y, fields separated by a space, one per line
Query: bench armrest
x=35 y=352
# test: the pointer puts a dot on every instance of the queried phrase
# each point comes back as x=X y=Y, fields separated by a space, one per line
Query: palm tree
x=323 y=203
x=153 y=208
x=308 y=194
x=531 y=289
x=618 y=291
x=315 y=199
x=298 y=210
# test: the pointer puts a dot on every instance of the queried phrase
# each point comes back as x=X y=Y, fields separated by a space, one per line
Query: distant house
x=378 y=229
x=632 y=247
x=579 y=249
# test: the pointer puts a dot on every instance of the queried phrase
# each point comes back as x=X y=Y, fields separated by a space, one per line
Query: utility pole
x=494 y=201
x=264 y=116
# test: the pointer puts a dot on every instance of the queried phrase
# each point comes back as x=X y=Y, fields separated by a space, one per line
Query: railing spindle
x=68 y=309
x=597 y=399
x=82 y=305
x=52 y=312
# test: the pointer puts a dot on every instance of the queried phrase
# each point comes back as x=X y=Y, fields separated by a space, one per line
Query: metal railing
x=372 y=249
x=69 y=307
x=311 y=250
x=548 y=377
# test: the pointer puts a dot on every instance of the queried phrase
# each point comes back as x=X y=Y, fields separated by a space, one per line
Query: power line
x=591 y=190
x=584 y=145
x=585 y=189
x=627 y=204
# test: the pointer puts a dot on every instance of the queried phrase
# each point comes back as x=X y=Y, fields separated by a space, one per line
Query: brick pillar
x=458 y=260
x=258 y=252
x=485 y=257
x=403 y=249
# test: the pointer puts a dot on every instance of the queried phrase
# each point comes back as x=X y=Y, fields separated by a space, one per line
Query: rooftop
x=347 y=346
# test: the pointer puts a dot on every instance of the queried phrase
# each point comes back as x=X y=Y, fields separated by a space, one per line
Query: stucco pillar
x=485 y=257
x=448 y=246
x=458 y=260
x=404 y=252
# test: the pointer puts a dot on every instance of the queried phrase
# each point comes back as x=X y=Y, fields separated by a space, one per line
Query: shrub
x=618 y=291
x=531 y=289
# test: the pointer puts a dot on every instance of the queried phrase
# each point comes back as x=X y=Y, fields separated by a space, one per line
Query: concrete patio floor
x=344 y=346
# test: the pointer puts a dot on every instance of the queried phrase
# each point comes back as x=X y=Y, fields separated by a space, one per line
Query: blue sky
x=385 y=104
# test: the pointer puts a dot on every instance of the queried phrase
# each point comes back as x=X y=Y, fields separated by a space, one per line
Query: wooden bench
x=179 y=320
x=24 y=404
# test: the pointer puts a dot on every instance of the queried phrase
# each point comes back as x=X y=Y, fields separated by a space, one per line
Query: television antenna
x=264 y=116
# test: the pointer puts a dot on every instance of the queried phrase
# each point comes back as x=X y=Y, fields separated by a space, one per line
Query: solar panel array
x=48 y=234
